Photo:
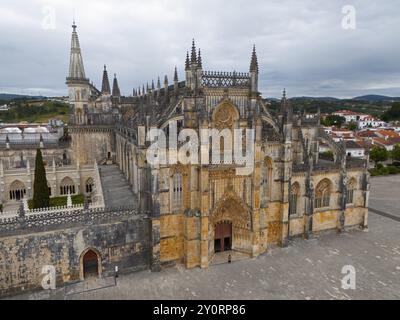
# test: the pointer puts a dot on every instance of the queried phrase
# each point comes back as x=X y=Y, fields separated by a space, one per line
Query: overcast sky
x=301 y=44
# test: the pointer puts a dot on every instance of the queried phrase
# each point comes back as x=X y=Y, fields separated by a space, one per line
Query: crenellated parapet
x=46 y=219
x=226 y=79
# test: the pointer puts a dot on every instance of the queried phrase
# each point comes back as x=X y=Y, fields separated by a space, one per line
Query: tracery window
x=323 y=194
x=350 y=191
x=294 y=199
x=67 y=186
x=266 y=181
x=89 y=185
x=17 y=190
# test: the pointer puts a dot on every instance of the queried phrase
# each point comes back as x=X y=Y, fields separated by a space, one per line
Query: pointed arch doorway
x=90 y=264
x=223 y=237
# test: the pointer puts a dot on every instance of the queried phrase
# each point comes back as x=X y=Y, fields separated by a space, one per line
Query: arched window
x=17 y=190
x=89 y=185
x=177 y=191
x=67 y=186
x=351 y=186
x=294 y=199
x=323 y=194
x=266 y=181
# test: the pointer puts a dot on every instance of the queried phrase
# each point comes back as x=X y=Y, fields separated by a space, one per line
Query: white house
x=354 y=150
x=370 y=122
x=350 y=116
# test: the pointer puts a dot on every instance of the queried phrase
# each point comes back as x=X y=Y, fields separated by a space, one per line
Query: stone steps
x=116 y=189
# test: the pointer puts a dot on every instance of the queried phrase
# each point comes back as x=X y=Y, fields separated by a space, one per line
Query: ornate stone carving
x=231 y=208
x=225 y=115
x=223 y=174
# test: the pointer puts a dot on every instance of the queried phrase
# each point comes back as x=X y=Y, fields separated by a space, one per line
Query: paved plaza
x=385 y=195
x=306 y=269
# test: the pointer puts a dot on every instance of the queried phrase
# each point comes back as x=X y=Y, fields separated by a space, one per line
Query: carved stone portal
x=225 y=115
x=231 y=209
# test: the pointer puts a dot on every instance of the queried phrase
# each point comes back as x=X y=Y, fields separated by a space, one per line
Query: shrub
x=61 y=201
x=393 y=170
x=374 y=172
x=396 y=163
x=384 y=171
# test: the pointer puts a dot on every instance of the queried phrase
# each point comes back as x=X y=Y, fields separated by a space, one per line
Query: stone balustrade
x=60 y=216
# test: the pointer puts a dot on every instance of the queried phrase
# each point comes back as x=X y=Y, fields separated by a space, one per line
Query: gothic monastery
x=173 y=213
x=204 y=209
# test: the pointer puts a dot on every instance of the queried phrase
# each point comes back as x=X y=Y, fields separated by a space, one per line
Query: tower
x=254 y=72
x=193 y=70
x=115 y=91
x=78 y=84
x=105 y=88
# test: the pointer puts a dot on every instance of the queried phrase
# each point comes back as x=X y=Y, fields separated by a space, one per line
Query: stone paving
x=385 y=194
x=307 y=269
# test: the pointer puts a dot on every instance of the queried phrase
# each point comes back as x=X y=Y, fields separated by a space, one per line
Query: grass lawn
x=61 y=201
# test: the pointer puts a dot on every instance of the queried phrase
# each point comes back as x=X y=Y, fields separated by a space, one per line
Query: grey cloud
x=301 y=44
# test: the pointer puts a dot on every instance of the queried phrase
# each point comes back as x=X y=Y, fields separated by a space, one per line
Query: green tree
x=379 y=154
x=395 y=154
x=393 y=113
x=352 y=126
x=333 y=120
x=41 y=196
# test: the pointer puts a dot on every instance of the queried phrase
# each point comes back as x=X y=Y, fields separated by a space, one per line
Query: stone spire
x=199 y=61
x=283 y=102
x=166 y=86
x=254 y=61
x=176 y=82
x=187 y=61
x=175 y=75
x=286 y=108
x=105 y=87
x=254 y=73
x=76 y=69
x=115 y=91
x=193 y=58
x=158 y=87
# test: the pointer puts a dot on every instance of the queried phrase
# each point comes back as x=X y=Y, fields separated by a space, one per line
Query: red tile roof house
x=383 y=143
x=354 y=149
x=366 y=134
x=387 y=134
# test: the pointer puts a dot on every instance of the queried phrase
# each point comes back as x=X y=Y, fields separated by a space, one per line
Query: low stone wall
x=120 y=238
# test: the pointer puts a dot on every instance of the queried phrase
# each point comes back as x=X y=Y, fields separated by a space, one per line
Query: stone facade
x=194 y=210
x=290 y=192
x=120 y=238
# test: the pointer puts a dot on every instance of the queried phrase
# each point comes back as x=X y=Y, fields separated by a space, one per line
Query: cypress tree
x=41 y=196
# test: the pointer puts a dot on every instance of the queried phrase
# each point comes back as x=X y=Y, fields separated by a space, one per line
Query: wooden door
x=223 y=237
